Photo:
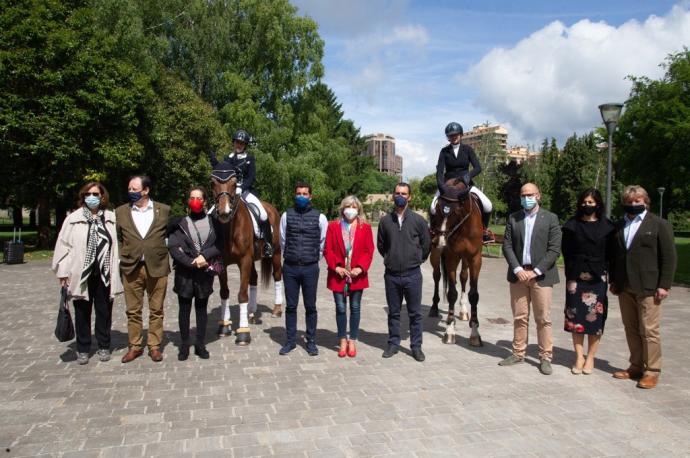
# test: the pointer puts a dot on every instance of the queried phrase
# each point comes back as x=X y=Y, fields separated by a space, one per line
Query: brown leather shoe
x=648 y=382
x=628 y=374
x=131 y=355
x=156 y=355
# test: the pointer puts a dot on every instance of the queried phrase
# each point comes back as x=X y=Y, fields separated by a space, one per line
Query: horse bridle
x=455 y=228
x=232 y=197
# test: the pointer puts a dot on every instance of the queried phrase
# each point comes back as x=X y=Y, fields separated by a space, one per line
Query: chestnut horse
x=240 y=249
x=459 y=244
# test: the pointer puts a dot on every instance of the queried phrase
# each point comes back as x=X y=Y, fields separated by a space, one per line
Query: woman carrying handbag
x=86 y=262
x=195 y=243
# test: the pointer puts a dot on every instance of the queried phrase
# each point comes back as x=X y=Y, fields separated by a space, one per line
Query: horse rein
x=233 y=202
x=455 y=228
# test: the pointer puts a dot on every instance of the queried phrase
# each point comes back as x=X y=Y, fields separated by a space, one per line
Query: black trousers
x=201 y=318
x=306 y=278
x=99 y=299
x=408 y=286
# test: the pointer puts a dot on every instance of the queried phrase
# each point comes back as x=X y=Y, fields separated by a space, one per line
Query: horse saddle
x=254 y=211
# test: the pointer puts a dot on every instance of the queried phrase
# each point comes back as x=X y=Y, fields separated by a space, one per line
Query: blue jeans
x=341 y=313
x=407 y=285
x=296 y=277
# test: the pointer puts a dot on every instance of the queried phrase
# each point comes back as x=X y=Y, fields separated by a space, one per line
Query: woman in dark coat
x=195 y=243
x=587 y=239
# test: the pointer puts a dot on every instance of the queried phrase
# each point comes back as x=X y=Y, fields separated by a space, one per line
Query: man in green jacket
x=141 y=232
x=642 y=269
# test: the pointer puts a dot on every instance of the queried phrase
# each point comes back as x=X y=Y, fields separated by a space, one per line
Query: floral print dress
x=586 y=248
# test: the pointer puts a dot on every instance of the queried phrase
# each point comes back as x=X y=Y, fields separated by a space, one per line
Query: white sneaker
x=82 y=358
x=103 y=354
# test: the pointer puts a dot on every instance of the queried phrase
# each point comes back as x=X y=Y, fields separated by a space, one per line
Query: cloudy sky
x=538 y=67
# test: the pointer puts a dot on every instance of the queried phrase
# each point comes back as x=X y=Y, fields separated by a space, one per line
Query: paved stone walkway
x=252 y=402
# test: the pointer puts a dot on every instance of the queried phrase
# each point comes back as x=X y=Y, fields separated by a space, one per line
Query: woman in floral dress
x=586 y=246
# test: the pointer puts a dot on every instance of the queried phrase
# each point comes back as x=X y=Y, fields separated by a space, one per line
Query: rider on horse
x=245 y=166
x=454 y=161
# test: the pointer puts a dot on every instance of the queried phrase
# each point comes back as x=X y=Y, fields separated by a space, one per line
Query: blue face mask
x=400 y=201
x=302 y=201
x=528 y=202
x=134 y=196
x=92 y=202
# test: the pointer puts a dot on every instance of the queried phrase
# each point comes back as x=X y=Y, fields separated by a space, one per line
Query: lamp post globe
x=661 y=190
x=610 y=114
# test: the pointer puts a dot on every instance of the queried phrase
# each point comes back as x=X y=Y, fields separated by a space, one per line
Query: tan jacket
x=152 y=246
x=70 y=251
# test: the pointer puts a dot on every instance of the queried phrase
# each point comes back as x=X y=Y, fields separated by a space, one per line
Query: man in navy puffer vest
x=302 y=237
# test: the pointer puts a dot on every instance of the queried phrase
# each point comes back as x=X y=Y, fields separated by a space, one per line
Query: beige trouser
x=641 y=319
x=135 y=284
x=521 y=295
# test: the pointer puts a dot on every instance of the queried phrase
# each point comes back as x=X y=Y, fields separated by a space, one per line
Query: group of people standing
x=633 y=258
x=100 y=253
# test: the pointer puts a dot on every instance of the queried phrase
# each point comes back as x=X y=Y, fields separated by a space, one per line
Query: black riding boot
x=488 y=236
x=267 y=231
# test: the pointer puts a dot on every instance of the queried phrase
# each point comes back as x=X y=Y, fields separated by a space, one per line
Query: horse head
x=226 y=198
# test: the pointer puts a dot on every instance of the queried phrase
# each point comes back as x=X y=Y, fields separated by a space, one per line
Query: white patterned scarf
x=97 y=248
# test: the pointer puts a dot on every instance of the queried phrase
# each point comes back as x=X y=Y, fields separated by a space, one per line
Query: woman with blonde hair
x=348 y=252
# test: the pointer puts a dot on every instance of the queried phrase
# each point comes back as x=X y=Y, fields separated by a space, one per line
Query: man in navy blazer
x=531 y=246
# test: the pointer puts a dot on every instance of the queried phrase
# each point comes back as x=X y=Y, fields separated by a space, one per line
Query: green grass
x=683 y=269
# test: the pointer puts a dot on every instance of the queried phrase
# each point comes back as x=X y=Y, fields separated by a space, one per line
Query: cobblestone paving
x=251 y=402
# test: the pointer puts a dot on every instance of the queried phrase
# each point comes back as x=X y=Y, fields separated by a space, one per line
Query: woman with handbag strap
x=195 y=243
x=86 y=261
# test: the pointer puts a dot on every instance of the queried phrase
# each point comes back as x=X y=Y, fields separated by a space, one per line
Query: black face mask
x=633 y=209
x=589 y=209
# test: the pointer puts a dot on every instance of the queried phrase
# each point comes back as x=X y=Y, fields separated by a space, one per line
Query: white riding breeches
x=252 y=199
x=486 y=203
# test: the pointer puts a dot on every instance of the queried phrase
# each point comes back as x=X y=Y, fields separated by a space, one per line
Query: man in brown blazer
x=642 y=269
x=531 y=245
x=141 y=231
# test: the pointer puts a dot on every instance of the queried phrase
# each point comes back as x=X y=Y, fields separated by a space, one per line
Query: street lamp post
x=661 y=190
x=610 y=113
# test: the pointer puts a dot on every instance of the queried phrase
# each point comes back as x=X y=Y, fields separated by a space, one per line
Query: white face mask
x=350 y=213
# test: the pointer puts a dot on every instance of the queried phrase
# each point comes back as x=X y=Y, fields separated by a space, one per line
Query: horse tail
x=444 y=275
x=266 y=271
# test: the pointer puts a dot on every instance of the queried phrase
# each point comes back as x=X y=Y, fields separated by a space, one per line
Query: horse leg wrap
x=244 y=319
x=279 y=293
x=225 y=304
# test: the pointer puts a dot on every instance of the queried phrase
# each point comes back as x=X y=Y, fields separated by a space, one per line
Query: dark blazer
x=189 y=280
x=544 y=247
x=587 y=247
x=650 y=263
x=152 y=246
x=449 y=166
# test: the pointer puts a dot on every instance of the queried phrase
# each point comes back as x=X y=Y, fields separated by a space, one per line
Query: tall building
x=382 y=148
x=478 y=133
x=521 y=154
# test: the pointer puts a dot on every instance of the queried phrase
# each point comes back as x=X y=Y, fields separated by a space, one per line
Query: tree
x=68 y=108
x=492 y=179
x=654 y=133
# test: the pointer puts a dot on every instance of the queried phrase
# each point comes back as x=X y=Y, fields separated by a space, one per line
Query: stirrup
x=488 y=237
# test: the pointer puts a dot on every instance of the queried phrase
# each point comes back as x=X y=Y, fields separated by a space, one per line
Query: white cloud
x=353 y=17
x=412 y=34
x=550 y=83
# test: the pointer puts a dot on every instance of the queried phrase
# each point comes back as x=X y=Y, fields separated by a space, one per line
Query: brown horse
x=241 y=249
x=459 y=244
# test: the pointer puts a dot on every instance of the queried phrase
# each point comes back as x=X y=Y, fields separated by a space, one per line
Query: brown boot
x=630 y=373
x=131 y=355
x=648 y=382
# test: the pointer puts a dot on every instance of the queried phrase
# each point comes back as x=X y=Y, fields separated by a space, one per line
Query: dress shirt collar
x=639 y=217
x=148 y=207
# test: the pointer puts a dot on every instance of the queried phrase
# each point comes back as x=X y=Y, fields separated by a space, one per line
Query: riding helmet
x=453 y=128
x=242 y=136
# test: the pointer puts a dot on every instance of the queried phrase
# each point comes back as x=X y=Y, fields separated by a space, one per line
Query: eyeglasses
x=95 y=194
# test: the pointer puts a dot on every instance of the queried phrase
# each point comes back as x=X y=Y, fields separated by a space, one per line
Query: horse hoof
x=476 y=341
x=277 y=311
x=433 y=312
x=464 y=316
x=243 y=338
x=253 y=319
x=224 y=330
x=448 y=338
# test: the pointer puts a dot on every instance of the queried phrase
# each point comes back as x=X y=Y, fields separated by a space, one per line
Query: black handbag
x=64 y=329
